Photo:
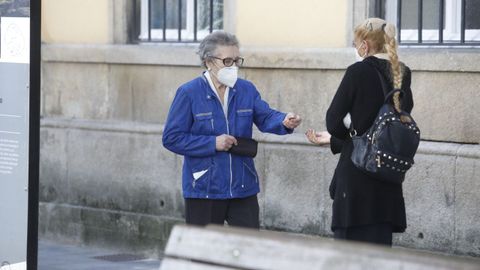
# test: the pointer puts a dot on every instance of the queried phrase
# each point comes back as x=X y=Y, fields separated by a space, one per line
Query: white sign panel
x=14 y=139
x=15 y=40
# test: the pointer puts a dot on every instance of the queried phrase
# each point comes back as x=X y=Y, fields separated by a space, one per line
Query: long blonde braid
x=390 y=46
x=380 y=36
x=396 y=70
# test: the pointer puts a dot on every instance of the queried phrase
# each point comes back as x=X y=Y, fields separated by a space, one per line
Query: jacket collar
x=211 y=94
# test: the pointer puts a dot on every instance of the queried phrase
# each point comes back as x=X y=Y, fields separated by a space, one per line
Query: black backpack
x=386 y=150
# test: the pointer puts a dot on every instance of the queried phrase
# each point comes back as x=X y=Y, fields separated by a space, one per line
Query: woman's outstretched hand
x=318 y=138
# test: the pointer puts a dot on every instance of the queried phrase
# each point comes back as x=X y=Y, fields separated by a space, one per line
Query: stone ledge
x=133 y=232
x=112 y=169
x=102 y=125
x=420 y=59
x=426 y=147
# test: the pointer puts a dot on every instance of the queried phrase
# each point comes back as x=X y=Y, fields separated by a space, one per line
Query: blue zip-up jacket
x=194 y=121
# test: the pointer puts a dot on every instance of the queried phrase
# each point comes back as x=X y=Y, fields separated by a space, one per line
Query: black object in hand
x=245 y=147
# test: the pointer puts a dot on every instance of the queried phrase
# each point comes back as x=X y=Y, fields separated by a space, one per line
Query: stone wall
x=106 y=179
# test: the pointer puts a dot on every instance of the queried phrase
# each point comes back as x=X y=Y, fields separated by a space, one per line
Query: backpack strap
x=390 y=94
x=386 y=93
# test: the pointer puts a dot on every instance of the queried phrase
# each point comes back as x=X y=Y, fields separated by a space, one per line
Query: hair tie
x=369 y=25
x=389 y=30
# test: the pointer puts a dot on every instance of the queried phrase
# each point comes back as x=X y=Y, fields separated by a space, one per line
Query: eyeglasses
x=228 y=62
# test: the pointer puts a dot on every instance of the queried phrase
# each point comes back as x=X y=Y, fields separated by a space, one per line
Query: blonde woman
x=365 y=209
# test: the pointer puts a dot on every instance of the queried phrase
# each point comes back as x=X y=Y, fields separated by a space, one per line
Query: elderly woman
x=207 y=116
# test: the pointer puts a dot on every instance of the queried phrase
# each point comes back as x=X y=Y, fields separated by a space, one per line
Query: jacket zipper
x=194 y=182
x=229 y=155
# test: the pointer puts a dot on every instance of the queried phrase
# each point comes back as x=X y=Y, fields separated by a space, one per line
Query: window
x=433 y=22
x=178 y=20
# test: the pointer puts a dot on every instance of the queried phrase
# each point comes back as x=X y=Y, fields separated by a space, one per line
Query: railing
x=177 y=20
x=447 y=21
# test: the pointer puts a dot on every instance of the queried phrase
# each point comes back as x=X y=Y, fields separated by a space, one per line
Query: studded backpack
x=386 y=150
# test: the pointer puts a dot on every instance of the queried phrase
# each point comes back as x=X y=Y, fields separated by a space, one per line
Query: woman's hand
x=292 y=121
x=318 y=138
x=224 y=142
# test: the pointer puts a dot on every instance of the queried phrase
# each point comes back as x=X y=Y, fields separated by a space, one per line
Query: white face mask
x=358 y=58
x=228 y=75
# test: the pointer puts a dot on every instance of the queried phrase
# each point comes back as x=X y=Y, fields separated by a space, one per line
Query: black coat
x=357 y=198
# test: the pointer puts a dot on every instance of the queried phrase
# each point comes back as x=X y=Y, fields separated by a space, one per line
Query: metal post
x=164 y=20
x=420 y=20
x=399 y=21
x=440 y=21
x=462 y=30
x=195 y=14
x=149 y=20
x=179 y=20
x=211 y=16
x=34 y=135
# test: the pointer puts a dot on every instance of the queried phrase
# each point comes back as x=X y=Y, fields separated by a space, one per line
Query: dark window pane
x=203 y=18
x=218 y=14
x=203 y=14
x=429 y=16
x=431 y=9
x=157 y=13
x=410 y=14
x=472 y=14
x=172 y=14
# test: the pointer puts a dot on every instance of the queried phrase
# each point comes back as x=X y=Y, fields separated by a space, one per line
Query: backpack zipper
x=379 y=162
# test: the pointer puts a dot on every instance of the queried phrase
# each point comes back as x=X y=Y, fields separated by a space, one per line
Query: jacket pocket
x=244 y=122
x=244 y=112
x=201 y=173
x=204 y=123
x=201 y=180
x=249 y=175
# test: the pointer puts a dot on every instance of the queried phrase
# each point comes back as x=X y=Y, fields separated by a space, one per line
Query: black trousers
x=243 y=212
x=375 y=233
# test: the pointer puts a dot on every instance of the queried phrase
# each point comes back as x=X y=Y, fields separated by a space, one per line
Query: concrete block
x=53 y=165
x=129 y=232
x=59 y=222
x=467 y=202
x=296 y=195
x=305 y=92
x=76 y=91
x=429 y=191
x=122 y=171
x=145 y=93
x=434 y=93
x=120 y=92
